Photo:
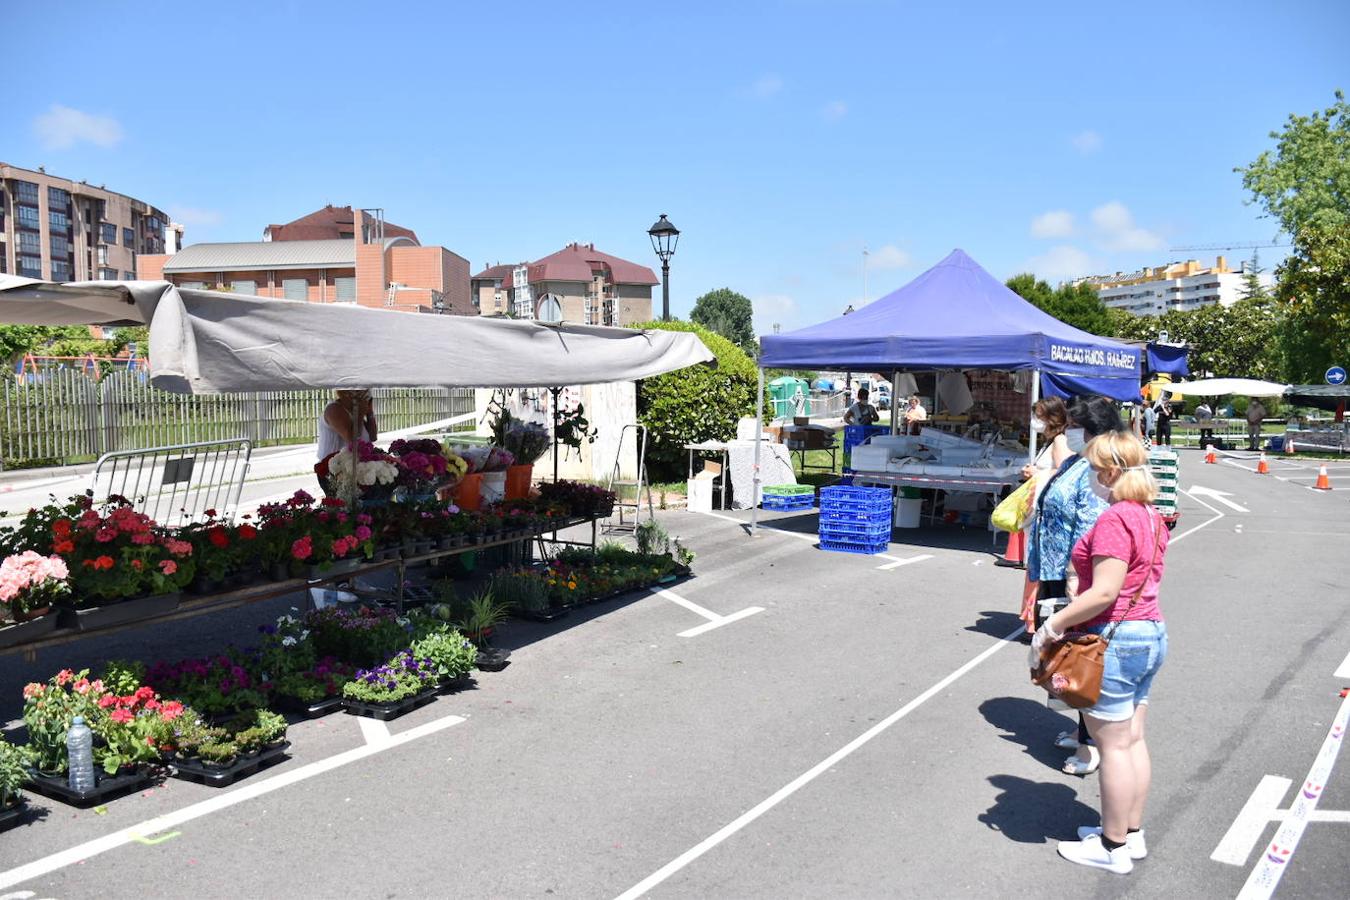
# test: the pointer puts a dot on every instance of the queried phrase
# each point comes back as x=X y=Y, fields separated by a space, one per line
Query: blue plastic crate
x=851 y=530
x=863 y=547
x=780 y=503
x=833 y=514
x=855 y=494
x=859 y=434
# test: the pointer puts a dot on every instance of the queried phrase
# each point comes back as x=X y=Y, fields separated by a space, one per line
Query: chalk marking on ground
x=714 y=620
x=808 y=776
x=1237 y=843
x=1274 y=862
x=164 y=823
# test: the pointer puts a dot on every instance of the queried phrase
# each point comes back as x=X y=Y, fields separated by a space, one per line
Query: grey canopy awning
x=212 y=342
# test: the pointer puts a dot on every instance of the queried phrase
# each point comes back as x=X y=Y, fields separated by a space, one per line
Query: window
x=102 y=255
x=346 y=289
x=60 y=270
x=30 y=266
x=58 y=197
x=152 y=224
x=128 y=238
x=60 y=221
x=28 y=217
x=30 y=242
x=244 y=287
x=128 y=276
x=26 y=191
x=107 y=233
x=60 y=245
x=106 y=274
x=295 y=289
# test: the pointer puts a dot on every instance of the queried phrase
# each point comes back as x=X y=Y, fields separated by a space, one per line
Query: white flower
x=288 y=641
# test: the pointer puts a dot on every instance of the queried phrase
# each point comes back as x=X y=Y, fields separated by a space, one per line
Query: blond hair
x=1124 y=453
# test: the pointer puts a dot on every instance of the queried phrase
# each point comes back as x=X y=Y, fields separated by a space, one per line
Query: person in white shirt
x=861 y=412
x=336 y=426
x=915 y=415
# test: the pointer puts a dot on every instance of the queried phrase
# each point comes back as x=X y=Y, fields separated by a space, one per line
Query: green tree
x=1252 y=288
x=1078 y=305
x=1306 y=181
x=1313 y=287
x=730 y=315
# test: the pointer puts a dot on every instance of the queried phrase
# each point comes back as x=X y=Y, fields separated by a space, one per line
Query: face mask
x=1101 y=490
x=1038 y=425
x=1077 y=440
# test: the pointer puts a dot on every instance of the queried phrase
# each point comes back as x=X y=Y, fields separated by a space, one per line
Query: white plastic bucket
x=492 y=488
x=907 y=512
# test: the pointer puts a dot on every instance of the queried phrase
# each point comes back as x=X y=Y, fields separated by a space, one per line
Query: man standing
x=1204 y=419
x=1163 y=430
x=861 y=412
x=1256 y=414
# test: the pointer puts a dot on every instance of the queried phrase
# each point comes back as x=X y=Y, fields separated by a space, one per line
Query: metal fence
x=176 y=485
x=65 y=416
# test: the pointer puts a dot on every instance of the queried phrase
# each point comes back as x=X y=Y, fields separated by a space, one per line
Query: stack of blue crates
x=786 y=497
x=855 y=519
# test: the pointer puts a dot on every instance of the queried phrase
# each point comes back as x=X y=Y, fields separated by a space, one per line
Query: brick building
x=576 y=284
x=354 y=257
x=56 y=229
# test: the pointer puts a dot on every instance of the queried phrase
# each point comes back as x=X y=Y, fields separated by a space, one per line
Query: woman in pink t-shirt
x=1119 y=563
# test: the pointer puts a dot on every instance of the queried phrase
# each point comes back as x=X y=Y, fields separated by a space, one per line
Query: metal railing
x=175 y=485
x=65 y=416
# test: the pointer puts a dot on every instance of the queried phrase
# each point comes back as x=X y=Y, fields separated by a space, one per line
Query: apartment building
x=1185 y=285
x=576 y=284
x=356 y=258
x=57 y=229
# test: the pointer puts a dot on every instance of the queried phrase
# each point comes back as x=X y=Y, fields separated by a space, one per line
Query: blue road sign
x=1336 y=375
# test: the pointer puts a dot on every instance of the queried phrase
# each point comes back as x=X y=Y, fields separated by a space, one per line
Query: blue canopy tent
x=958 y=316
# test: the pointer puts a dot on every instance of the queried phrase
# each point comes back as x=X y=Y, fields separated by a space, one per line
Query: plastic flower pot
x=493 y=487
x=518 y=479
x=468 y=493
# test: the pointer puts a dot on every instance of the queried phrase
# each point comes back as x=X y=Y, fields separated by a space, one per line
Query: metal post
x=665 y=290
x=895 y=401
x=759 y=430
x=1035 y=398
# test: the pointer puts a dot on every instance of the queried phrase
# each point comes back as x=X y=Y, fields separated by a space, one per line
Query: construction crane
x=1250 y=245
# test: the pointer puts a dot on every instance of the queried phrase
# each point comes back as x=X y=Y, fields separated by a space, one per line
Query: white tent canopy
x=1217 y=387
x=213 y=342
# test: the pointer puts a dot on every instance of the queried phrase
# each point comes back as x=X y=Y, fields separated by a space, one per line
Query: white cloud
x=1086 y=142
x=1060 y=263
x=834 y=110
x=775 y=308
x=1057 y=223
x=764 y=87
x=190 y=215
x=888 y=257
x=62 y=127
x=1117 y=230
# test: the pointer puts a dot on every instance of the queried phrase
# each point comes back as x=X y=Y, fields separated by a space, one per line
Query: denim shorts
x=1133 y=657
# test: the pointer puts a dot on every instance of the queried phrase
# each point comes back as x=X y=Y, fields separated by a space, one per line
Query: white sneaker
x=1134 y=840
x=1090 y=852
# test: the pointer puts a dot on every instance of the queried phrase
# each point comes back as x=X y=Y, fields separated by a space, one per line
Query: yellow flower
x=571 y=585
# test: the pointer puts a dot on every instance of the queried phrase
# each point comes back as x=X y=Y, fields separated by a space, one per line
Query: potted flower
x=362 y=637
x=30 y=585
x=422 y=468
x=216 y=686
x=392 y=689
x=526 y=442
x=368 y=474
x=13 y=775
x=449 y=652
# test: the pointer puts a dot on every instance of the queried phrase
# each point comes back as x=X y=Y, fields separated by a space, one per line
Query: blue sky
x=780 y=137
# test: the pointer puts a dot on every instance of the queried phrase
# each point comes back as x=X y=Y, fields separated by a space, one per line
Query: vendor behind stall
x=338 y=426
x=861 y=412
x=915 y=415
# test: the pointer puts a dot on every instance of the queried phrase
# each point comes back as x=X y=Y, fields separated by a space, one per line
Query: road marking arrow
x=1220 y=496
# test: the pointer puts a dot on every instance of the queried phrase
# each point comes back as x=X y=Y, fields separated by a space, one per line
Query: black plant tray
x=493 y=660
x=13 y=813
x=24 y=632
x=118 y=613
x=220 y=776
x=386 y=711
x=305 y=708
x=452 y=685
x=542 y=615
x=106 y=786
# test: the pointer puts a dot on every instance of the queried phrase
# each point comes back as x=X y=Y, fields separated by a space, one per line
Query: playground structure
x=34 y=367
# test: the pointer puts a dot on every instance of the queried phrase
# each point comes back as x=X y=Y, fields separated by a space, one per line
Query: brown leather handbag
x=1071 y=670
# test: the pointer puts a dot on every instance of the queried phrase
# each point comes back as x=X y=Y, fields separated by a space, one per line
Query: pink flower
x=120 y=716
x=168 y=566
x=302 y=549
x=362 y=533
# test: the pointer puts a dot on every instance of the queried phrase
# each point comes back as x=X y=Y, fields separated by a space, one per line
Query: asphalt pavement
x=789 y=722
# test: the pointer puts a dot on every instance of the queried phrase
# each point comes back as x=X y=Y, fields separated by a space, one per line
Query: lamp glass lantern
x=665 y=236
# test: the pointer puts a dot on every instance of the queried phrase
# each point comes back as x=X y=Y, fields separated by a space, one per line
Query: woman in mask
x=1067 y=507
x=1119 y=564
x=1049 y=419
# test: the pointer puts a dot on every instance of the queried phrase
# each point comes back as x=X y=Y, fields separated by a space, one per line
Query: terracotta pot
x=518 y=480
x=468 y=490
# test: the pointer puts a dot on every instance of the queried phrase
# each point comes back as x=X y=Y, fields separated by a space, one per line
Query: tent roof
x=209 y=342
x=1243 y=387
x=957 y=316
x=1324 y=391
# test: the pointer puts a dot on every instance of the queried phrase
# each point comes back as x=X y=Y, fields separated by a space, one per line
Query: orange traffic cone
x=1323 y=482
x=1210 y=456
x=1288 y=446
x=1015 y=556
x=1262 y=468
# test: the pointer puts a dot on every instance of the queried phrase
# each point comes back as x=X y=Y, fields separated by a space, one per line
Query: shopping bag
x=1014 y=511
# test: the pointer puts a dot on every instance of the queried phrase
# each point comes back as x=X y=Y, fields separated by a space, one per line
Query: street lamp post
x=664 y=237
x=848 y=376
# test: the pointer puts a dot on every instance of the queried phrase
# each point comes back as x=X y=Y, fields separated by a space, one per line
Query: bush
x=698 y=403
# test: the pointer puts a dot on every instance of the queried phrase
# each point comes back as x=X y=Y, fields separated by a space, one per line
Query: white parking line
x=714 y=620
x=1237 y=843
x=904 y=562
x=1343 y=670
x=807 y=777
x=88 y=849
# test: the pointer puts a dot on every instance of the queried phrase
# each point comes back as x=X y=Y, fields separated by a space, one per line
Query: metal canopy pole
x=759 y=430
x=895 y=402
x=1035 y=398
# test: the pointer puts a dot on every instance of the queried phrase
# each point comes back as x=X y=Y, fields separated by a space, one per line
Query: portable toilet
x=790 y=397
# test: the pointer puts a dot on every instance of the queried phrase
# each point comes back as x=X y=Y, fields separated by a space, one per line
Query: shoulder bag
x=1071 y=670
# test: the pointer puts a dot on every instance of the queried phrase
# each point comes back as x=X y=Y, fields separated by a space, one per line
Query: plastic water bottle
x=80 y=749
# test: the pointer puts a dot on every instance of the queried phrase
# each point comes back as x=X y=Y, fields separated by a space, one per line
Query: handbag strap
x=1148 y=573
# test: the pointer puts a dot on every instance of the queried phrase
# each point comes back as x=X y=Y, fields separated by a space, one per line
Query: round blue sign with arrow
x=1336 y=375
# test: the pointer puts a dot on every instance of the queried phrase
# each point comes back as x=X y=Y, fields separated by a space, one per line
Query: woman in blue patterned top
x=1067 y=507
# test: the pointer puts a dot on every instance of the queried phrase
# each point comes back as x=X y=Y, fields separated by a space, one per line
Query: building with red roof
x=576 y=284
x=328 y=224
